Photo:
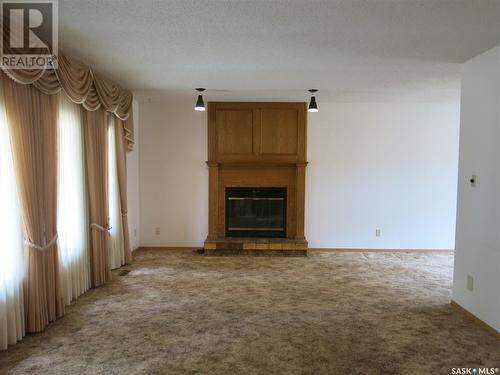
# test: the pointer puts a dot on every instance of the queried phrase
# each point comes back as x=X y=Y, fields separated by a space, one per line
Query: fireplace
x=255 y=212
x=257 y=159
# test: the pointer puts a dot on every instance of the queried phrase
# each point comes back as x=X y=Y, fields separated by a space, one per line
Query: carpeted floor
x=331 y=313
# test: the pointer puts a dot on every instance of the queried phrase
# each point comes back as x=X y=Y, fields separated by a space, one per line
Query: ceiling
x=276 y=49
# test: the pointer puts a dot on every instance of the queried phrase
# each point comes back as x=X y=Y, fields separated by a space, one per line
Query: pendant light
x=313 y=106
x=200 y=106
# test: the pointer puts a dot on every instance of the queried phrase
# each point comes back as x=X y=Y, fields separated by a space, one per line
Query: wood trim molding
x=476 y=320
x=169 y=248
x=318 y=249
x=359 y=250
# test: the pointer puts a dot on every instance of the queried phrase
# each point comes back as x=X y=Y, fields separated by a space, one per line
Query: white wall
x=173 y=174
x=391 y=167
x=133 y=184
x=387 y=166
x=478 y=222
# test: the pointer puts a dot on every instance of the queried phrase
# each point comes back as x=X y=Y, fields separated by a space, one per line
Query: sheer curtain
x=11 y=247
x=72 y=202
x=117 y=250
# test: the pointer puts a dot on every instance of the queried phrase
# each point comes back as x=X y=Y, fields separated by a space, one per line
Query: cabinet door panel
x=234 y=132
x=279 y=132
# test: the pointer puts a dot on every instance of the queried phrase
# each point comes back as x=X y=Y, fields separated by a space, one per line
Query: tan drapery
x=122 y=184
x=83 y=86
x=96 y=149
x=73 y=224
x=32 y=118
x=31 y=108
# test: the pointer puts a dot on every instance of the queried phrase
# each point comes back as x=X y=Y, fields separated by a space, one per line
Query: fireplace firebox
x=255 y=212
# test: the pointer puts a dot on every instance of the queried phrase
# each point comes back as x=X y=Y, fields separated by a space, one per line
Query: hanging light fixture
x=313 y=106
x=200 y=106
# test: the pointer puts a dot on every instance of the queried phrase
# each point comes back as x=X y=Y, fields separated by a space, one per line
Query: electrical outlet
x=377 y=232
x=157 y=230
x=470 y=282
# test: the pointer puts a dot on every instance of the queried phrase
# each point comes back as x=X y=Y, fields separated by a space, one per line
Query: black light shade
x=200 y=106
x=313 y=106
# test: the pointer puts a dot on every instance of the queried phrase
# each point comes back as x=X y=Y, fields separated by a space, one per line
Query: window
x=72 y=219
x=11 y=245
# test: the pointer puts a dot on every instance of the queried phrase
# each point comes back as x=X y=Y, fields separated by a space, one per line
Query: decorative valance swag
x=83 y=86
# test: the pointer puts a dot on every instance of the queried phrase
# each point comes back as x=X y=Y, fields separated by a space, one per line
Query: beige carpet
x=331 y=313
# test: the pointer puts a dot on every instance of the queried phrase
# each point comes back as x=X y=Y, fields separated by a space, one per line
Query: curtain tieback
x=124 y=213
x=100 y=227
x=42 y=248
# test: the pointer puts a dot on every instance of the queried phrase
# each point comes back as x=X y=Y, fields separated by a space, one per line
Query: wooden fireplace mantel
x=255 y=144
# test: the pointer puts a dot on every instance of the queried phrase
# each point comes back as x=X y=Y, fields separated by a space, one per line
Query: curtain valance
x=83 y=86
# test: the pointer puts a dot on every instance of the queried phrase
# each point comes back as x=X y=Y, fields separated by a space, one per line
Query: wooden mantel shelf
x=257 y=145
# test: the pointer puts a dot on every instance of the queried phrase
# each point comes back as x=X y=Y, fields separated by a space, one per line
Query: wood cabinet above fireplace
x=257 y=145
x=256 y=132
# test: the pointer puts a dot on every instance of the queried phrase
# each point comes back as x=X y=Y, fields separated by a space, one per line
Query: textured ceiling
x=279 y=47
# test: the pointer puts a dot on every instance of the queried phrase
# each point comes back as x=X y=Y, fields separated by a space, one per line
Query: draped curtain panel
x=34 y=100
x=116 y=248
x=96 y=156
x=83 y=86
x=11 y=248
x=73 y=223
x=121 y=159
x=32 y=120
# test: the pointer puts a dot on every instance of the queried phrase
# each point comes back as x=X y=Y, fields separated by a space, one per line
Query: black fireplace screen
x=255 y=212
